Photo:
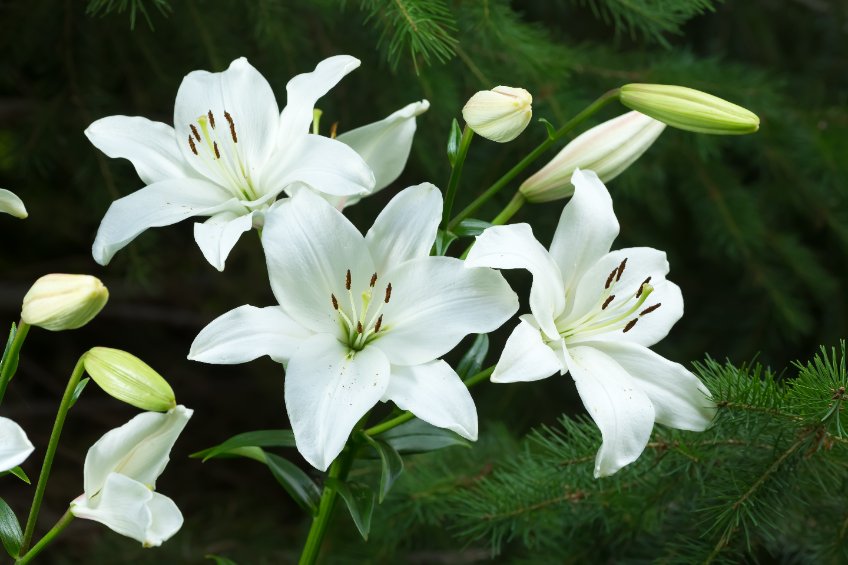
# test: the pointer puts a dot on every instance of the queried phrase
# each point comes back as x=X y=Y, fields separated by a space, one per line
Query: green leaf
x=443 y=241
x=300 y=487
x=259 y=438
x=10 y=530
x=454 y=139
x=8 y=344
x=472 y=361
x=19 y=473
x=359 y=500
x=550 y=127
x=417 y=436
x=78 y=390
x=471 y=227
x=220 y=560
x=391 y=464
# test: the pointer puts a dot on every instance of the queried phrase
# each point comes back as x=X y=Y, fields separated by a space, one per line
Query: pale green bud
x=500 y=114
x=63 y=302
x=129 y=379
x=689 y=109
x=608 y=149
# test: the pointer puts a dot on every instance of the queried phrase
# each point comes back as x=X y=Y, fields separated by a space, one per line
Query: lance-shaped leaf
x=472 y=361
x=300 y=487
x=417 y=436
x=359 y=500
x=259 y=438
x=10 y=530
x=391 y=464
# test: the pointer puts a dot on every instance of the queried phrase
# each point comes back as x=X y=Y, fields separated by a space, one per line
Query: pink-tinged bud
x=608 y=149
x=500 y=114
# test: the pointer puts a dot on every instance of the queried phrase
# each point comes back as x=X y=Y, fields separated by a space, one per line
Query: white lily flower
x=15 y=446
x=594 y=315
x=229 y=155
x=362 y=318
x=120 y=475
x=10 y=203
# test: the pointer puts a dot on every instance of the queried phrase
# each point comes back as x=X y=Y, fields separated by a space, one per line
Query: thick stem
x=535 y=154
x=456 y=173
x=47 y=539
x=10 y=361
x=67 y=401
x=338 y=470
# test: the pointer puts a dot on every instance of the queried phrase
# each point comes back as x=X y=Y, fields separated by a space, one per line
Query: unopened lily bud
x=689 y=109
x=500 y=114
x=608 y=149
x=63 y=302
x=129 y=379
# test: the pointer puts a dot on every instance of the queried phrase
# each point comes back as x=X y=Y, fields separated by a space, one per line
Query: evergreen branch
x=135 y=7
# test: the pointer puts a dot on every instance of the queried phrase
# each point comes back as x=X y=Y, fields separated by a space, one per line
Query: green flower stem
x=67 y=400
x=456 y=172
x=10 y=361
x=407 y=416
x=535 y=154
x=48 y=537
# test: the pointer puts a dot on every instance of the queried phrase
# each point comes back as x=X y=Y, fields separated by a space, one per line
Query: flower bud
x=608 y=149
x=63 y=302
x=689 y=109
x=500 y=114
x=129 y=379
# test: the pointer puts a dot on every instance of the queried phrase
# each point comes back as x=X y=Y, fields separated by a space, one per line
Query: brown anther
x=215 y=147
x=650 y=309
x=610 y=277
x=620 y=270
x=359 y=327
x=195 y=132
x=388 y=293
x=192 y=145
x=607 y=302
x=373 y=280
x=333 y=129
x=232 y=126
x=630 y=325
x=335 y=302
x=211 y=119
x=378 y=324
x=347 y=280
x=642 y=287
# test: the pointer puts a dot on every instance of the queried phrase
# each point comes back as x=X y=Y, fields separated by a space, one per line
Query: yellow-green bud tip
x=129 y=379
x=63 y=302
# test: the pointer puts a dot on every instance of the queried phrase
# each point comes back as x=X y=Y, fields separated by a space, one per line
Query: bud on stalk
x=500 y=114
x=63 y=302
x=129 y=379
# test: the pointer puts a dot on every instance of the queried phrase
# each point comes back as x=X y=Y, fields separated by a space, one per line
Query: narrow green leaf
x=454 y=139
x=220 y=560
x=10 y=530
x=360 y=503
x=19 y=473
x=471 y=227
x=259 y=438
x=417 y=436
x=550 y=127
x=78 y=390
x=9 y=341
x=443 y=241
x=472 y=361
x=300 y=487
x=391 y=464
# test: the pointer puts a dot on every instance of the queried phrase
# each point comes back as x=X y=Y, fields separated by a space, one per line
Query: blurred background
x=755 y=227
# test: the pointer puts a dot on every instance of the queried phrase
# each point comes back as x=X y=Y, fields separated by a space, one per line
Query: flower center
x=358 y=328
x=218 y=149
x=612 y=312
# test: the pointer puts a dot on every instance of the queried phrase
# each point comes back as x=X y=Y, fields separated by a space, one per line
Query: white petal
x=515 y=247
x=305 y=89
x=680 y=399
x=435 y=302
x=586 y=229
x=309 y=246
x=385 y=145
x=166 y=520
x=217 y=236
x=247 y=333
x=328 y=389
x=406 y=228
x=160 y=204
x=618 y=406
x=150 y=146
x=240 y=91
x=11 y=204
x=15 y=447
x=139 y=449
x=526 y=357
x=434 y=393
x=121 y=505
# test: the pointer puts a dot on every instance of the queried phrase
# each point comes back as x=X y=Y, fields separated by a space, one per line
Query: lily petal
x=166 y=519
x=615 y=402
x=586 y=229
x=515 y=247
x=680 y=399
x=526 y=357
x=247 y=333
x=406 y=228
x=15 y=447
x=422 y=325
x=11 y=204
x=160 y=204
x=309 y=247
x=139 y=449
x=434 y=393
x=324 y=164
x=217 y=236
x=328 y=389
x=385 y=145
x=150 y=146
